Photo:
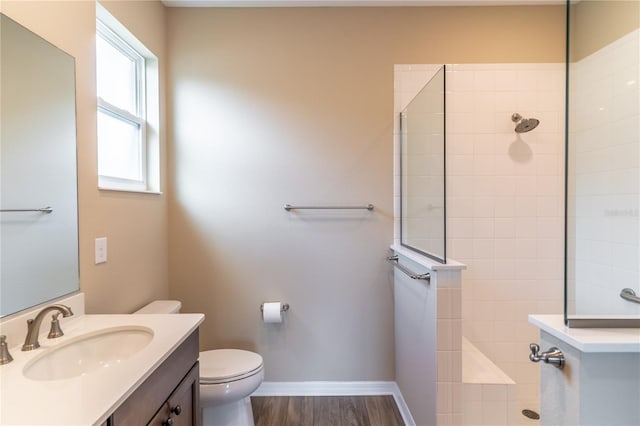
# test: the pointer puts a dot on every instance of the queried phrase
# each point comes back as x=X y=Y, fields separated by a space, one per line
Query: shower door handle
x=553 y=356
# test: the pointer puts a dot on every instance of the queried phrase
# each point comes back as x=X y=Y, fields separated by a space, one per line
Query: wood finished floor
x=326 y=411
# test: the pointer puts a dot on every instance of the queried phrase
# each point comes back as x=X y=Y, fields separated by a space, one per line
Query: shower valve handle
x=553 y=356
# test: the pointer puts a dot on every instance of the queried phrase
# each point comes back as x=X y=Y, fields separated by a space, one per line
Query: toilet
x=227 y=377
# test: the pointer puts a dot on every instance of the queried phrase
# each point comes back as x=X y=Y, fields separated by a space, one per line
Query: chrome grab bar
x=630 y=295
x=289 y=207
x=394 y=261
x=47 y=210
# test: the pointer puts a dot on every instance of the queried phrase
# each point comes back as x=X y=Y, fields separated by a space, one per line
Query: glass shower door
x=422 y=133
x=603 y=165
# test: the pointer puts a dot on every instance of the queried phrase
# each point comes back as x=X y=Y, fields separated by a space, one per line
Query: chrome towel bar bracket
x=553 y=356
x=394 y=261
x=289 y=207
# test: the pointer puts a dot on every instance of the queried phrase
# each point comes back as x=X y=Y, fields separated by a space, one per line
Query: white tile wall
x=605 y=126
x=504 y=204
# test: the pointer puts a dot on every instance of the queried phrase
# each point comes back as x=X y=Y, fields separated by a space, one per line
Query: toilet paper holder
x=283 y=308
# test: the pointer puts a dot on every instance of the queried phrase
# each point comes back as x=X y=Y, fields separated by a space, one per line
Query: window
x=127 y=134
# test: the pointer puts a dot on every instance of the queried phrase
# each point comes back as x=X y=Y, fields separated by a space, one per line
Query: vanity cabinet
x=170 y=396
x=180 y=409
x=593 y=388
x=599 y=383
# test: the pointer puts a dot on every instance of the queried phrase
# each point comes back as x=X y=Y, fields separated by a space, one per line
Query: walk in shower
x=504 y=219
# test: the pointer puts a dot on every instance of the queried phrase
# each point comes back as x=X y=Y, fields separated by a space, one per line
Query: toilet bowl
x=227 y=377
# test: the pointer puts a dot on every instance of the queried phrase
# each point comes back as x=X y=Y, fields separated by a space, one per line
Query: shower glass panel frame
x=602 y=234
x=422 y=170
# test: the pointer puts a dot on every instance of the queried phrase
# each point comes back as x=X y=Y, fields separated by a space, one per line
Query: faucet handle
x=55 y=330
x=5 y=356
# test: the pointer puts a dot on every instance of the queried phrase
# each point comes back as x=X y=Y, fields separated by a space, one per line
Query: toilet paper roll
x=272 y=312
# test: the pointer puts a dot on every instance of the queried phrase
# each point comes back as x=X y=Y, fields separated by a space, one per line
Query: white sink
x=88 y=353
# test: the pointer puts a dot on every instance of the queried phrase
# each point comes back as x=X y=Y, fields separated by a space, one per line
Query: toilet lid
x=224 y=365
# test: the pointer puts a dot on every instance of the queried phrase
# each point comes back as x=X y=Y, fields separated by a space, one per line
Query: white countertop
x=88 y=399
x=589 y=339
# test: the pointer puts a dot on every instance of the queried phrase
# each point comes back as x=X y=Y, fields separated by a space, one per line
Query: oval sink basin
x=90 y=352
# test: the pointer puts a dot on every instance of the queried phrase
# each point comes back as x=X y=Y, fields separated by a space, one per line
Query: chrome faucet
x=33 y=325
x=5 y=356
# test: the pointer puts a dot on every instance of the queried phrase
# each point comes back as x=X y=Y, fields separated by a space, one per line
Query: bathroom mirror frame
x=602 y=134
x=39 y=259
x=422 y=170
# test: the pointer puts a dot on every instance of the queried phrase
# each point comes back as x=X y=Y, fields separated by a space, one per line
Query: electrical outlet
x=101 y=250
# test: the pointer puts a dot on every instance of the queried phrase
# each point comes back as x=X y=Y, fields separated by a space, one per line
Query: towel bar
x=289 y=207
x=394 y=261
x=47 y=210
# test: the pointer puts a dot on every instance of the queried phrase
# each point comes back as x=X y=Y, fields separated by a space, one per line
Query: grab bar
x=394 y=261
x=47 y=210
x=289 y=207
x=630 y=295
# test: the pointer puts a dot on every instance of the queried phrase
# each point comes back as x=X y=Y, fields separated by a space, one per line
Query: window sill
x=136 y=191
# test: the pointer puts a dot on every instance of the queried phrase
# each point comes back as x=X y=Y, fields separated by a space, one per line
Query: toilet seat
x=228 y=365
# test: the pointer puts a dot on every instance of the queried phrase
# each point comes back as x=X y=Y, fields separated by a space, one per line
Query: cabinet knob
x=168 y=422
x=177 y=410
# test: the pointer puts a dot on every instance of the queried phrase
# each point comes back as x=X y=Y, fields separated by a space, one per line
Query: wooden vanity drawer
x=181 y=409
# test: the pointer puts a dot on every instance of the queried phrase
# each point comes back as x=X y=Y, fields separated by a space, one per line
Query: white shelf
x=427 y=262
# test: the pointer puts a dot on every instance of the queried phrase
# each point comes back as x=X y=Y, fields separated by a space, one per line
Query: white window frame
x=146 y=69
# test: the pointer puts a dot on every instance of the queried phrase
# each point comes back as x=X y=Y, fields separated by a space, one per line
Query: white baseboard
x=337 y=389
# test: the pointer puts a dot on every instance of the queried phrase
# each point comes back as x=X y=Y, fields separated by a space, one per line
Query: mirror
x=603 y=164
x=422 y=159
x=38 y=249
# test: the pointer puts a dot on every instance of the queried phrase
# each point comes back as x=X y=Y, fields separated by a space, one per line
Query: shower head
x=524 y=125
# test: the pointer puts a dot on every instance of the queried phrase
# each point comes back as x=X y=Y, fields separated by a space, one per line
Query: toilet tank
x=161 y=307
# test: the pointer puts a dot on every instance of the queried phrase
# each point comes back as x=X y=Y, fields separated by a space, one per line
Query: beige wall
x=595 y=24
x=135 y=225
x=274 y=106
